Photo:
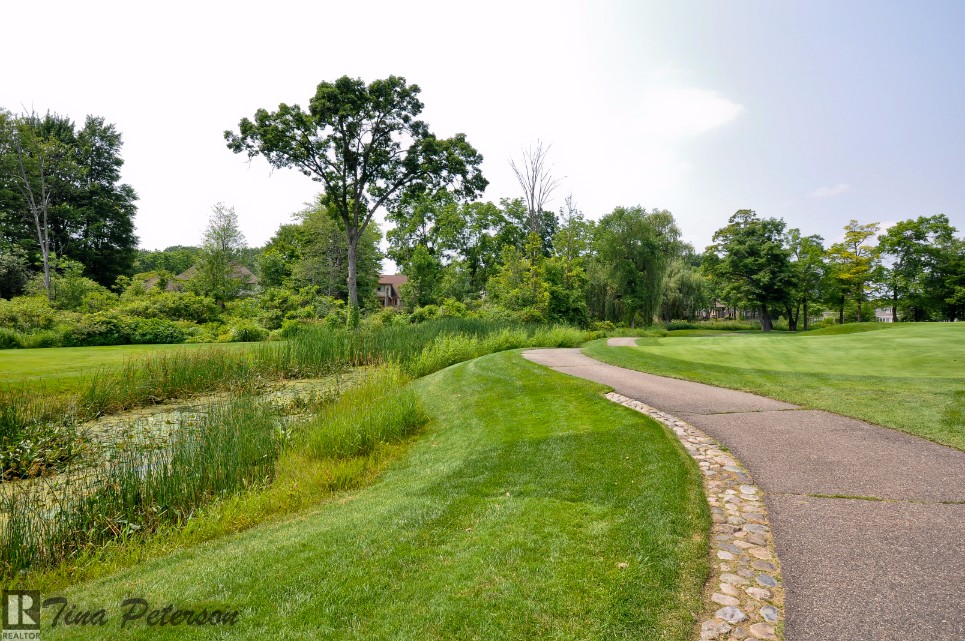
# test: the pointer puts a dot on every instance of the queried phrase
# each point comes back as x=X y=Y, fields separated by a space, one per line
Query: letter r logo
x=21 y=610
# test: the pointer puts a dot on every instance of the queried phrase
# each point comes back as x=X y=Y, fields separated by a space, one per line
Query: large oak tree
x=367 y=147
x=753 y=262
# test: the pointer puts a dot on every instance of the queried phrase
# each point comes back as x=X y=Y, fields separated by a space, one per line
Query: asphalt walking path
x=888 y=569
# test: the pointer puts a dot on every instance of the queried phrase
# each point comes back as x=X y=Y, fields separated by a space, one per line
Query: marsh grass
x=314 y=351
x=379 y=410
x=231 y=448
x=240 y=445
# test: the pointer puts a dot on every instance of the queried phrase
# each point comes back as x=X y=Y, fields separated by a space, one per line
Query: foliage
x=27 y=313
x=366 y=146
x=853 y=264
x=218 y=274
x=109 y=329
x=13 y=270
x=174 y=260
x=919 y=251
x=157 y=303
x=633 y=251
x=316 y=251
x=753 y=262
x=69 y=181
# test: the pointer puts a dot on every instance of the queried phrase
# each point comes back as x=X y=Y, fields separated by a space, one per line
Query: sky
x=815 y=112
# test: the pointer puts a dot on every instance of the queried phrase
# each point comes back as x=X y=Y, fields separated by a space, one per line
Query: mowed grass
x=910 y=377
x=67 y=368
x=509 y=518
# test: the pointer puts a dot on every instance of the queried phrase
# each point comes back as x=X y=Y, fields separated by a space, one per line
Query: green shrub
x=10 y=338
x=44 y=338
x=172 y=306
x=27 y=313
x=154 y=331
x=425 y=313
x=247 y=333
x=96 y=329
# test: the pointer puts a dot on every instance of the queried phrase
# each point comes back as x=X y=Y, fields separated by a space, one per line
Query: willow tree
x=367 y=147
x=634 y=248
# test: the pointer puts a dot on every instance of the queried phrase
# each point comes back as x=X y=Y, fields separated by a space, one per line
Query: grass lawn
x=910 y=377
x=65 y=368
x=509 y=518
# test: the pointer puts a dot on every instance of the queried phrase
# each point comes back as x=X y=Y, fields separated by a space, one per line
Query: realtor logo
x=21 y=615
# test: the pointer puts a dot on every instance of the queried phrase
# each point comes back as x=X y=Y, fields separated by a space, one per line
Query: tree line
x=61 y=198
x=67 y=234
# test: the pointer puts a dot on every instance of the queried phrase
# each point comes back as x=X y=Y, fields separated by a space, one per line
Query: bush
x=95 y=329
x=247 y=333
x=104 y=329
x=172 y=306
x=154 y=331
x=44 y=338
x=10 y=338
x=425 y=313
x=27 y=313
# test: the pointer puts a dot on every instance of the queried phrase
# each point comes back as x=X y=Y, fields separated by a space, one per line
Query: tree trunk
x=766 y=319
x=894 y=306
x=353 y=293
x=841 y=311
x=807 y=322
x=792 y=315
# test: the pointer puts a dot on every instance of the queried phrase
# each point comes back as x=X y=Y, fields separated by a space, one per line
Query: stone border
x=748 y=601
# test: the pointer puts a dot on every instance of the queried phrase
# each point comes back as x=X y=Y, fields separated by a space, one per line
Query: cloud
x=670 y=113
x=830 y=192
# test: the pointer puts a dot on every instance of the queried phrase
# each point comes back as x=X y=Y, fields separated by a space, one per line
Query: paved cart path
x=853 y=568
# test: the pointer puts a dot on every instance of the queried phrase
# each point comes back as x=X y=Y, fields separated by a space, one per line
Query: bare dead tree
x=535 y=176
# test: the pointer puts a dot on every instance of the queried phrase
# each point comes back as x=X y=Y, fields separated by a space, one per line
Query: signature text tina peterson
x=136 y=611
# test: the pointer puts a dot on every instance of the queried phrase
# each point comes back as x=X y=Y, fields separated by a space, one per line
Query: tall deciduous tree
x=753 y=262
x=808 y=271
x=367 y=147
x=634 y=248
x=915 y=248
x=853 y=263
x=99 y=230
x=32 y=166
x=221 y=247
x=66 y=184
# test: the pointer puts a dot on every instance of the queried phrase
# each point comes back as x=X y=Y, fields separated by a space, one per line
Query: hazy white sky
x=815 y=112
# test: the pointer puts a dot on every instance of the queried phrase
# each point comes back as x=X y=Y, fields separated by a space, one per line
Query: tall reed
x=232 y=447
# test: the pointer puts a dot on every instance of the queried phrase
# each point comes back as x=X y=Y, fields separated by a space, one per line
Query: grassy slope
x=911 y=377
x=507 y=520
x=64 y=368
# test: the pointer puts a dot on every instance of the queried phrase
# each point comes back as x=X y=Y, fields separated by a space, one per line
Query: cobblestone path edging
x=746 y=599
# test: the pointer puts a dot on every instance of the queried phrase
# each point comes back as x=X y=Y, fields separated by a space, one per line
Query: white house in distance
x=388 y=291
x=883 y=315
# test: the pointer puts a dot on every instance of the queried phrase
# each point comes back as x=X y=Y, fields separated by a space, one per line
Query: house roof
x=393 y=279
x=237 y=271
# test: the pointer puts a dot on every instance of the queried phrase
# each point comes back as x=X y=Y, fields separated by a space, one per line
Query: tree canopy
x=61 y=195
x=366 y=145
x=753 y=262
